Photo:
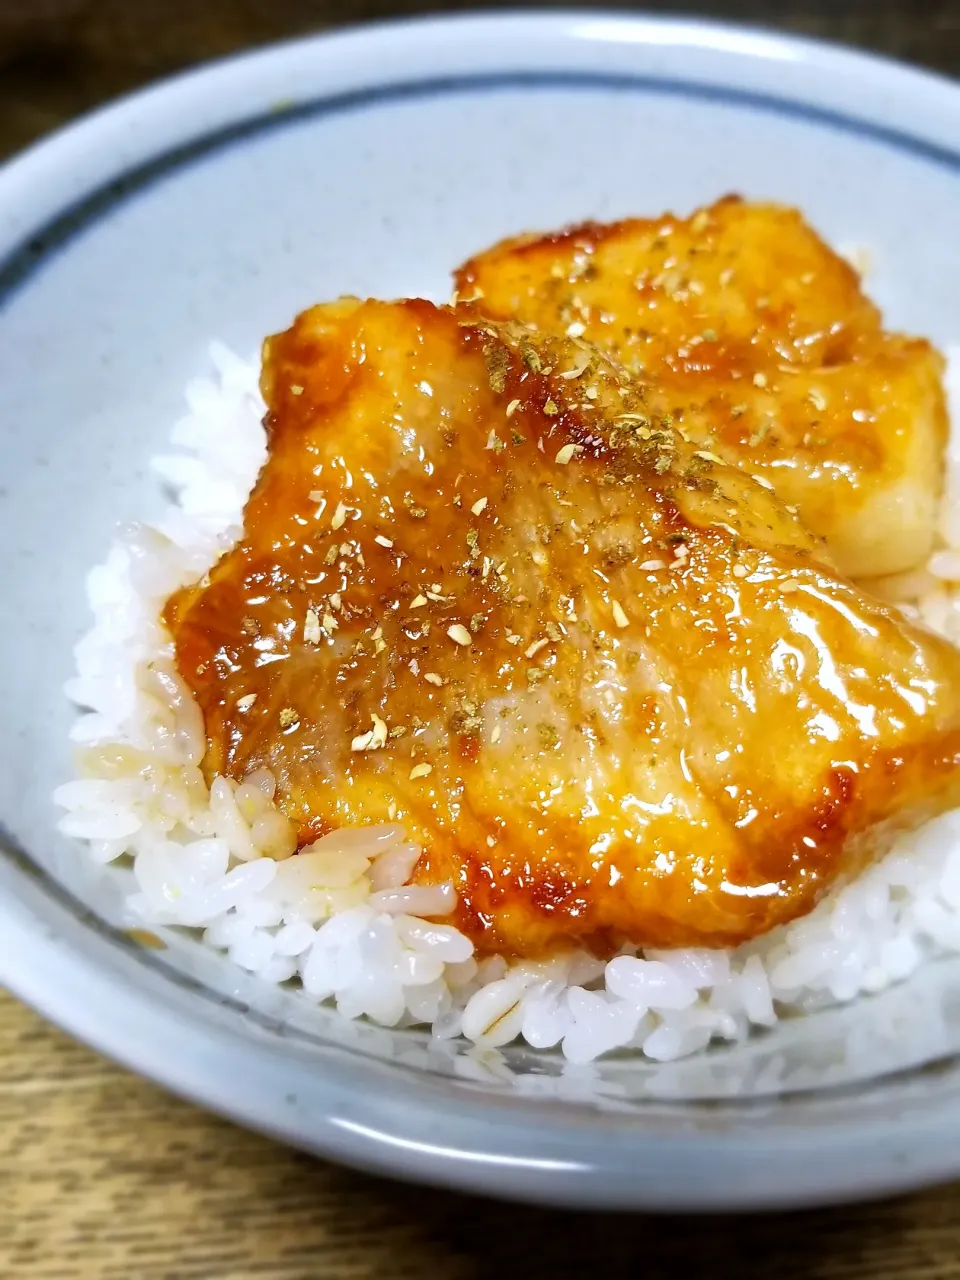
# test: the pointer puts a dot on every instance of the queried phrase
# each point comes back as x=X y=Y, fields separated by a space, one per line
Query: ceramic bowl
x=219 y=204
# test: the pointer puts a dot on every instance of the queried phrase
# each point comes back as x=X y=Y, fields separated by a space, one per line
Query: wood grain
x=60 y=57
x=103 y=1174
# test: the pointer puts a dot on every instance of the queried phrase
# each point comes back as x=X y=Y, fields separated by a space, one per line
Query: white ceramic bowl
x=373 y=161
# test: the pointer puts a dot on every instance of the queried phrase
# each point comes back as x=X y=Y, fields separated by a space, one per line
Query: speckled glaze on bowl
x=373 y=161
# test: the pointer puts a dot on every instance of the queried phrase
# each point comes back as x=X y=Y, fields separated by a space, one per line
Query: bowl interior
x=374 y=187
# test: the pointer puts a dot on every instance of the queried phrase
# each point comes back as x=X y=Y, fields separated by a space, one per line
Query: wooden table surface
x=103 y=1174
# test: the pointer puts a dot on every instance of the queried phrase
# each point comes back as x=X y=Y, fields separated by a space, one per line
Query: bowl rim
x=417 y=1129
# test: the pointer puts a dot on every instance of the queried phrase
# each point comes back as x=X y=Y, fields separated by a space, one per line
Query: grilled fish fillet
x=608 y=681
x=769 y=351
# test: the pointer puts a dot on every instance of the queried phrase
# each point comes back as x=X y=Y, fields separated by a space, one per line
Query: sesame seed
x=312 y=633
x=535 y=648
x=246 y=702
x=339 y=516
x=495 y=735
x=420 y=771
x=384 y=542
x=418 y=602
x=765 y=484
x=391 y=810
x=577 y=370
x=619 y=617
x=373 y=739
x=479 y=506
x=651 y=566
x=431 y=677
x=459 y=634
x=512 y=408
x=567 y=452
x=707 y=455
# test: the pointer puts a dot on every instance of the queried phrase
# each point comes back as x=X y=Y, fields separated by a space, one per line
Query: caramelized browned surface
x=673 y=723
x=769 y=351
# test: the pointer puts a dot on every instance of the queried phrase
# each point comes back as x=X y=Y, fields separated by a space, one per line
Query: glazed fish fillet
x=770 y=355
x=487 y=588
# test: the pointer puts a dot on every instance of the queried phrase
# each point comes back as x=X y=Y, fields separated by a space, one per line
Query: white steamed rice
x=340 y=918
